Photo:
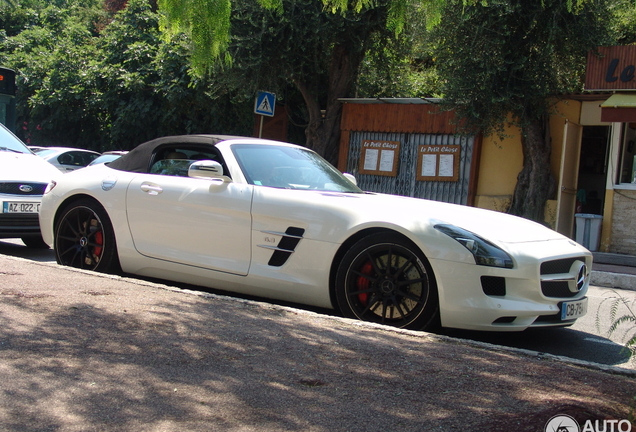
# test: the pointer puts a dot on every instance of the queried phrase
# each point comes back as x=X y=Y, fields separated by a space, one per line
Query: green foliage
x=511 y=56
x=401 y=65
x=206 y=22
x=87 y=82
x=623 y=21
x=622 y=314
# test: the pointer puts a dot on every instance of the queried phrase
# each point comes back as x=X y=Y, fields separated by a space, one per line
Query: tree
x=107 y=81
x=623 y=21
x=51 y=53
x=316 y=51
x=507 y=61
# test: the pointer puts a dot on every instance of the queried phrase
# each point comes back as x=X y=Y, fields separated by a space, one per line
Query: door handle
x=151 y=189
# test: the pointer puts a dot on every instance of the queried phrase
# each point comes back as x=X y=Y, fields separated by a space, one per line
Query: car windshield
x=289 y=168
x=43 y=152
x=8 y=142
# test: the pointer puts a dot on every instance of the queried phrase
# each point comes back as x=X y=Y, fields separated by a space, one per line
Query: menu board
x=438 y=163
x=379 y=157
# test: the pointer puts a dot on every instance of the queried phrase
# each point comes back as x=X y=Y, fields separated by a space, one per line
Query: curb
x=614 y=280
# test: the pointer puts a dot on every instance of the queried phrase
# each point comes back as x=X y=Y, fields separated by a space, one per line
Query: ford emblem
x=26 y=188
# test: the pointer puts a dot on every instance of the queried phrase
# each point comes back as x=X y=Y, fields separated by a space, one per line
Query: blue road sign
x=265 y=103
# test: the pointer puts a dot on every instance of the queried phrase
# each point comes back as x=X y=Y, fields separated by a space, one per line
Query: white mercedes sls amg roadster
x=275 y=220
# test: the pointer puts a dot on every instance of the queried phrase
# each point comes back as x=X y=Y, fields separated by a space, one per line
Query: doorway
x=592 y=176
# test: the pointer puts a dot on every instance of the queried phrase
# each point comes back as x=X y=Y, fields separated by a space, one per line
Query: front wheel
x=385 y=279
x=84 y=238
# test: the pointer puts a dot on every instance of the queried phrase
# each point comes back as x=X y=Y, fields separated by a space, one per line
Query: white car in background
x=275 y=220
x=66 y=159
x=23 y=179
x=108 y=157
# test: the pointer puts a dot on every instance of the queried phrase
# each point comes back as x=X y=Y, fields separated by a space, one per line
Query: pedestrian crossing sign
x=265 y=103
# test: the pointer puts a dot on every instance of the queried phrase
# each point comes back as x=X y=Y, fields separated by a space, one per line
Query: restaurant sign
x=611 y=68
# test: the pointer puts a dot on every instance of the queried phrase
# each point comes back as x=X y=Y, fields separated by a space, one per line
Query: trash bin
x=588 y=230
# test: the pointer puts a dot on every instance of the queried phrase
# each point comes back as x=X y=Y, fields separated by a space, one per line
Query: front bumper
x=16 y=225
x=545 y=275
x=19 y=225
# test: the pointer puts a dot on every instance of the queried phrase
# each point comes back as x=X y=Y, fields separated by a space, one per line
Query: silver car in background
x=23 y=179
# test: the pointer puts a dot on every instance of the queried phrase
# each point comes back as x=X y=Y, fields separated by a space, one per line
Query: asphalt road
x=586 y=340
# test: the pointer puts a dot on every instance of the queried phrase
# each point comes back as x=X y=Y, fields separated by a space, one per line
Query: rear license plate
x=573 y=309
x=20 y=207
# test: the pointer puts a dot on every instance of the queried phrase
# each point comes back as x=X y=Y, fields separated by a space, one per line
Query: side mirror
x=351 y=178
x=207 y=169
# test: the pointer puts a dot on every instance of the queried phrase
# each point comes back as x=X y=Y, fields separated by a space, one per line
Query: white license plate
x=573 y=309
x=20 y=207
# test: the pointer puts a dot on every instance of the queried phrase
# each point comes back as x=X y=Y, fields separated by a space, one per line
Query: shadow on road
x=565 y=342
x=16 y=248
x=556 y=341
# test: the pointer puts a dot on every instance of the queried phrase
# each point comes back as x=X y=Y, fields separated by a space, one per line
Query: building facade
x=410 y=147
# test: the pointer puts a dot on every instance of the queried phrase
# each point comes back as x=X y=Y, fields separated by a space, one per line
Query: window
x=175 y=160
x=628 y=155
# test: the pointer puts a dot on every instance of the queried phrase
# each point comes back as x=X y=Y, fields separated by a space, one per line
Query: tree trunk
x=535 y=183
x=323 y=130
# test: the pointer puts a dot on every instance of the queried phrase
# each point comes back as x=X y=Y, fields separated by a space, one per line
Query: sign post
x=264 y=105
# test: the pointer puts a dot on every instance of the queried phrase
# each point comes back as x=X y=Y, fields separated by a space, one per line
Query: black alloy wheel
x=84 y=238
x=385 y=279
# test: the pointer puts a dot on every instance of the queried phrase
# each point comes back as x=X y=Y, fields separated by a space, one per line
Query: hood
x=26 y=167
x=491 y=225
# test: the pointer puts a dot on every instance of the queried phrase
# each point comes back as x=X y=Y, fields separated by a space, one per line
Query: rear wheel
x=84 y=238
x=385 y=279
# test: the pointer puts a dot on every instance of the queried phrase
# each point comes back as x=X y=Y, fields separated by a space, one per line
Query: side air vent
x=505 y=320
x=493 y=286
x=285 y=247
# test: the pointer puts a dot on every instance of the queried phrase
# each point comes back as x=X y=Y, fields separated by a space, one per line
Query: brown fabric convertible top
x=141 y=157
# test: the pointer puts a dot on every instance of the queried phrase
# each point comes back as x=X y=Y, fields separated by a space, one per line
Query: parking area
x=83 y=352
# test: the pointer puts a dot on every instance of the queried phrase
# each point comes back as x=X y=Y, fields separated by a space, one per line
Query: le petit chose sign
x=611 y=68
x=434 y=162
x=438 y=163
x=379 y=157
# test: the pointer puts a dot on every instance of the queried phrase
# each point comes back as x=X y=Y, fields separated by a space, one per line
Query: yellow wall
x=501 y=161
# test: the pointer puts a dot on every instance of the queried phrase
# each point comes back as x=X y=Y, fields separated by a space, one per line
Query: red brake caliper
x=99 y=240
x=363 y=282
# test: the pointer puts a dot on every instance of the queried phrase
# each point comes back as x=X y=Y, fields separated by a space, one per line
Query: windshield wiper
x=9 y=149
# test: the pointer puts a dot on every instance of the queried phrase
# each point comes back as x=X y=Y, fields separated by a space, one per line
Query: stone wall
x=624 y=223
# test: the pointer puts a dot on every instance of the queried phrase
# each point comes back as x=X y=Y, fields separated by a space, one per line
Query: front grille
x=557 y=289
x=18 y=224
x=22 y=188
x=558 y=266
x=557 y=279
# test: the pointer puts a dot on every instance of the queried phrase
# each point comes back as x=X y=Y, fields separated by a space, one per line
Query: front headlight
x=50 y=186
x=484 y=252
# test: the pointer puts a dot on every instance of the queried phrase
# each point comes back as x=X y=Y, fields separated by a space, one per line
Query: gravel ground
x=88 y=352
